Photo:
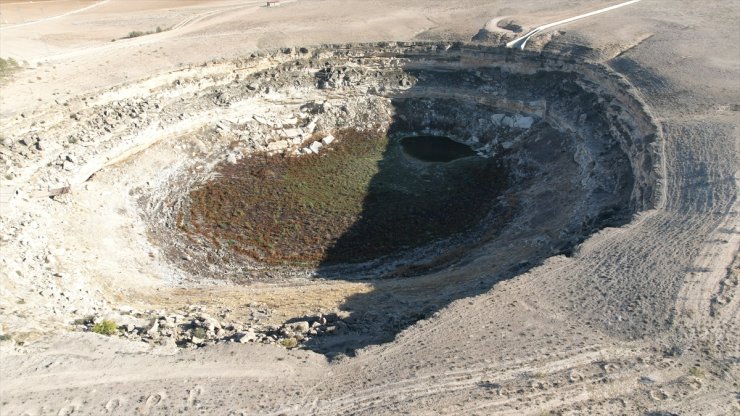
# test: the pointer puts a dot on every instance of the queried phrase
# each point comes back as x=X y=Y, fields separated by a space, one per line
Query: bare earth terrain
x=607 y=285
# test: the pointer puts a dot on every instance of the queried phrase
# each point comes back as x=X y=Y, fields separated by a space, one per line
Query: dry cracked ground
x=369 y=207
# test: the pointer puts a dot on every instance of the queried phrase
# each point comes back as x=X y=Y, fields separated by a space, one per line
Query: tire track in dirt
x=46 y=19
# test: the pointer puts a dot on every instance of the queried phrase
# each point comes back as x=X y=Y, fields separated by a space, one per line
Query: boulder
x=327 y=140
x=523 y=122
x=261 y=120
x=153 y=330
x=244 y=337
x=278 y=145
x=292 y=133
x=207 y=323
x=300 y=327
x=315 y=147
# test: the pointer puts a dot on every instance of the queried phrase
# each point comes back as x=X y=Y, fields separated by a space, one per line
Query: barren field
x=369 y=207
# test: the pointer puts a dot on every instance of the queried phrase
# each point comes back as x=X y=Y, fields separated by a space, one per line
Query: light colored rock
x=300 y=327
x=260 y=120
x=315 y=147
x=278 y=145
x=153 y=330
x=292 y=133
x=208 y=323
x=523 y=122
x=166 y=324
x=248 y=336
x=200 y=146
x=497 y=119
x=125 y=309
x=327 y=140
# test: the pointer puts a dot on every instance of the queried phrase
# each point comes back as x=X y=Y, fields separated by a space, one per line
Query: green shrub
x=137 y=33
x=105 y=327
x=8 y=66
x=9 y=63
x=697 y=372
x=289 y=342
x=200 y=333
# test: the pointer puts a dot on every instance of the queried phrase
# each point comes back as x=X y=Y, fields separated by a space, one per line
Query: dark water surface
x=435 y=148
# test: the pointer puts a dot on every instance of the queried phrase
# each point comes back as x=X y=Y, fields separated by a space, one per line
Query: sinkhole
x=403 y=159
x=430 y=171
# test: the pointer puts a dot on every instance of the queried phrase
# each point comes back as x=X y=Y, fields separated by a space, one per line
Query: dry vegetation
x=138 y=33
x=7 y=67
x=360 y=199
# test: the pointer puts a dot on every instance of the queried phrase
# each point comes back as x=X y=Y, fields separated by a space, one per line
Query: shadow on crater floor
x=409 y=290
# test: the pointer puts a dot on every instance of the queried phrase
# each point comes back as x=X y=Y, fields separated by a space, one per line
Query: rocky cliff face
x=581 y=151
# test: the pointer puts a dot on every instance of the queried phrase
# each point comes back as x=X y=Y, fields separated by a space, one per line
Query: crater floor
x=360 y=198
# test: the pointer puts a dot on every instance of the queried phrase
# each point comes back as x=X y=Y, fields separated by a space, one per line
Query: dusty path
x=59 y=16
x=189 y=24
x=521 y=42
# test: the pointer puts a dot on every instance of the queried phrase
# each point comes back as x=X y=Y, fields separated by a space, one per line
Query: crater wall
x=579 y=148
